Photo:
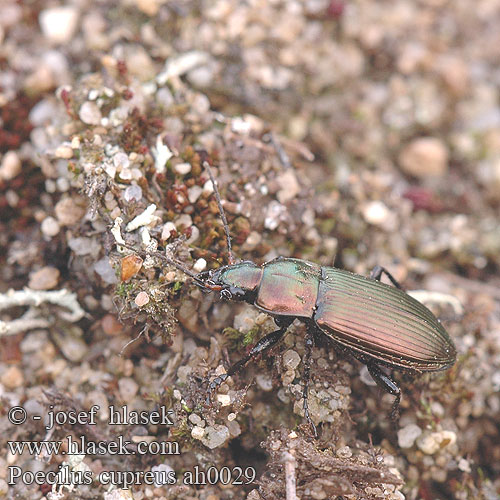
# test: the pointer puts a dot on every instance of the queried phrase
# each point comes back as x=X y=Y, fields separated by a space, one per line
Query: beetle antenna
x=199 y=282
x=221 y=211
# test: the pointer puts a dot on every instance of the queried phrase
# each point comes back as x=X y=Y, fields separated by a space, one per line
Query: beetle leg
x=309 y=344
x=260 y=347
x=377 y=272
x=385 y=381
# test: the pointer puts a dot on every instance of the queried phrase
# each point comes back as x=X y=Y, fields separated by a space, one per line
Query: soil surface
x=348 y=133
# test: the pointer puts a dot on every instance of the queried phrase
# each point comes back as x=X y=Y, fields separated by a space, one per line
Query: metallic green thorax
x=244 y=275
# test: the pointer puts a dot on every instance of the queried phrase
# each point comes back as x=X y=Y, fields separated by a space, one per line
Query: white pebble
x=194 y=193
x=195 y=234
x=62 y=184
x=162 y=472
x=167 y=230
x=11 y=166
x=425 y=157
x=200 y=265
x=376 y=213
x=197 y=432
x=58 y=24
x=183 y=168
x=215 y=436
x=50 y=227
x=90 y=113
x=132 y=193
x=93 y=95
x=408 y=434
x=195 y=419
x=208 y=187
x=464 y=465
x=65 y=152
x=120 y=160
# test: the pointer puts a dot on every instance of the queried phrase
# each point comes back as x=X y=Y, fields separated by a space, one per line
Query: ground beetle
x=379 y=324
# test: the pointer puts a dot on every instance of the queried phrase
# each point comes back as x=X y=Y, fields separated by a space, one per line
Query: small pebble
x=111 y=325
x=464 y=465
x=376 y=213
x=234 y=427
x=167 y=230
x=73 y=348
x=184 y=220
x=344 y=452
x=254 y=238
x=197 y=432
x=224 y=399
x=288 y=377
x=408 y=434
x=149 y=7
x=63 y=184
x=161 y=471
x=69 y=212
x=12 y=378
x=142 y=299
x=289 y=186
x=432 y=442
x=65 y=152
x=215 y=436
x=132 y=193
x=183 y=168
x=291 y=359
x=200 y=265
x=194 y=193
x=50 y=227
x=130 y=266
x=45 y=278
x=195 y=419
x=425 y=157
x=84 y=246
x=11 y=166
x=90 y=113
x=104 y=269
x=264 y=381
x=59 y=24
x=128 y=389
x=121 y=161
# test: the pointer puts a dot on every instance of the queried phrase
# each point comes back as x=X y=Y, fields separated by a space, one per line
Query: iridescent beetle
x=379 y=324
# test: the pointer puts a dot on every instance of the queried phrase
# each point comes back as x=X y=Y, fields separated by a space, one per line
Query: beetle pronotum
x=379 y=324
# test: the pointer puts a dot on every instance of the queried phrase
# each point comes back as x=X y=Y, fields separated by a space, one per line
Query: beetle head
x=235 y=282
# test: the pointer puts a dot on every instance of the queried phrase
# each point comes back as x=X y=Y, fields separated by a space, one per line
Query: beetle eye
x=225 y=294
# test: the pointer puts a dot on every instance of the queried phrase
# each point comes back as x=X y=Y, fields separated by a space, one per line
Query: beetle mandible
x=378 y=324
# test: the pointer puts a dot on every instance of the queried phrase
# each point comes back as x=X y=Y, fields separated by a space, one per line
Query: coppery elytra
x=378 y=324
